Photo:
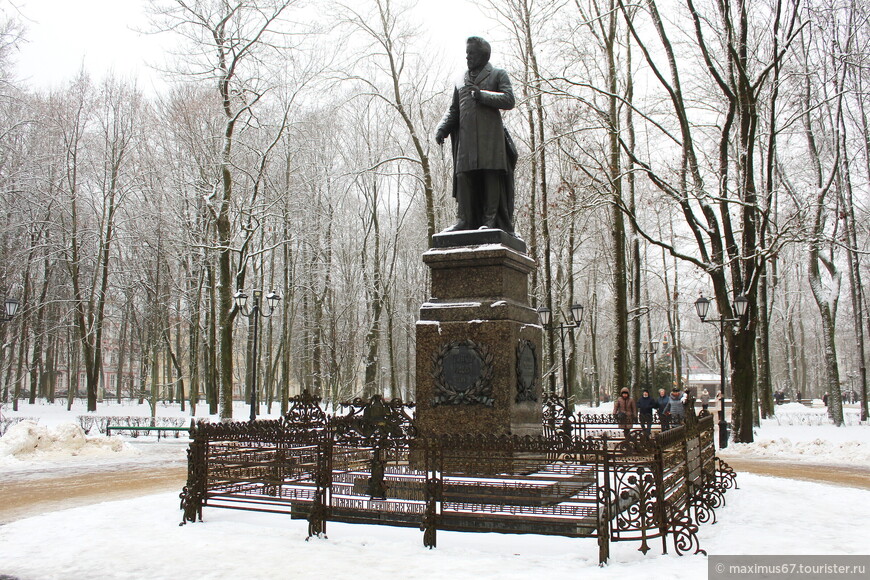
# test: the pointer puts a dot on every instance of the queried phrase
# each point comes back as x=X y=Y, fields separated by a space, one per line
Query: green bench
x=110 y=428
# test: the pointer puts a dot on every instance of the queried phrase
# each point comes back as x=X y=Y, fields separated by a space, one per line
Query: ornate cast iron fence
x=369 y=465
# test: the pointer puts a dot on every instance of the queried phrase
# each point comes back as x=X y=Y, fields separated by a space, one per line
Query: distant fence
x=370 y=465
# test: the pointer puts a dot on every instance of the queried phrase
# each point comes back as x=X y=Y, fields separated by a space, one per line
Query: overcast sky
x=100 y=35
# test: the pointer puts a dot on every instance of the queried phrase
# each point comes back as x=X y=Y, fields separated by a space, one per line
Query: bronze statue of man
x=484 y=155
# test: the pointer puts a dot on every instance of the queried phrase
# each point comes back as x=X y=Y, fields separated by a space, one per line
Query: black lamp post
x=254 y=313
x=651 y=361
x=702 y=307
x=576 y=319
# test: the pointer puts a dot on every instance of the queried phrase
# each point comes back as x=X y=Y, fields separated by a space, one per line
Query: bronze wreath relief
x=463 y=374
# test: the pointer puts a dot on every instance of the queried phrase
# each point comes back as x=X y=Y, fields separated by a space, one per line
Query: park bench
x=110 y=428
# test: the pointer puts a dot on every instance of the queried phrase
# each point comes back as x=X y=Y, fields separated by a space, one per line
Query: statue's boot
x=490 y=208
x=463 y=212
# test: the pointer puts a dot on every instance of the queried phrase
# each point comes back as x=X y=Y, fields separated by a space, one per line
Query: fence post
x=323 y=483
x=661 y=511
x=603 y=511
x=193 y=494
x=432 y=489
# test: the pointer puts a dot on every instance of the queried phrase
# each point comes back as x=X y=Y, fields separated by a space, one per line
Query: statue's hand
x=439 y=138
x=475 y=92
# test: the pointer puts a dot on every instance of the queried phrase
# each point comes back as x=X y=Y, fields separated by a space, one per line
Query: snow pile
x=28 y=439
x=815 y=450
x=806 y=434
x=7 y=422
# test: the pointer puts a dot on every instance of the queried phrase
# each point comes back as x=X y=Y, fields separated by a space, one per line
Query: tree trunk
x=210 y=346
x=621 y=374
x=765 y=389
x=225 y=306
x=122 y=350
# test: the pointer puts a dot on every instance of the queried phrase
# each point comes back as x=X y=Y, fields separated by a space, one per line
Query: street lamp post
x=547 y=322
x=254 y=313
x=702 y=307
x=10 y=309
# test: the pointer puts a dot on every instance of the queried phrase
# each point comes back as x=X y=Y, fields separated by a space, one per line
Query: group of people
x=671 y=409
x=779 y=397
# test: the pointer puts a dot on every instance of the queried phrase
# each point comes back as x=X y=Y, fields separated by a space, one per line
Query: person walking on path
x=675 y=410
x=662 y=403
x=645 y=406
x=625 y=410
x=705 y=399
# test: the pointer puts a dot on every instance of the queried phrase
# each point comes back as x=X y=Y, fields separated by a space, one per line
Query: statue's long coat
x=475 y=127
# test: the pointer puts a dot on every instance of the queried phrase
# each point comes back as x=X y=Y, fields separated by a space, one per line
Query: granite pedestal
x=478 y=340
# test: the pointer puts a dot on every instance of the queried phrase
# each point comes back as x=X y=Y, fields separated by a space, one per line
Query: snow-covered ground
x=55 y=413
x=803 y=434
x=140 y=538
x=30 y=451
x=50 y=442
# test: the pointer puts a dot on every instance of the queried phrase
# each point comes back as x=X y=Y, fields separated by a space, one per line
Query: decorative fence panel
x=369 y=465
x=518 y=484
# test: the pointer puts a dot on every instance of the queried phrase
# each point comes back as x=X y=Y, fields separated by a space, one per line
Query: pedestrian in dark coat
x=645 y=407
x=625 y=410
x=662 y=403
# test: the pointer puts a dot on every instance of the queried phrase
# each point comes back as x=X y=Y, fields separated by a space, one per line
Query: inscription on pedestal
x=527 y=367
x=463 y=374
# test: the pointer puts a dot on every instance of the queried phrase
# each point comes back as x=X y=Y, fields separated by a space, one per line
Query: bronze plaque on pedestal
x=463 y=374
x=527 y=372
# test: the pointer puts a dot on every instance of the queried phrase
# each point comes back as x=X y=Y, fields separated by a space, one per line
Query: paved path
x=851 y=476
x=21 y=499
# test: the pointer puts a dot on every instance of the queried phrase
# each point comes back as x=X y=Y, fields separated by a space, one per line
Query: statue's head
x=477 y=52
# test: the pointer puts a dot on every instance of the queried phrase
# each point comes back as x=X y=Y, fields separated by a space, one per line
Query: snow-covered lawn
x=140 y=538
x=50 y=442
x=803 y=434
x=54 y=413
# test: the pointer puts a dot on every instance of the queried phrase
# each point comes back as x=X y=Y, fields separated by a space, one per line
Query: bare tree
x=729 y=253
x=230 y=41
x=386 y=25
x=93 y=200
x=825 y=212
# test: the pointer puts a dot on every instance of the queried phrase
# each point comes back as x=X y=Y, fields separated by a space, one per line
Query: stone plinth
x=478 y=340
